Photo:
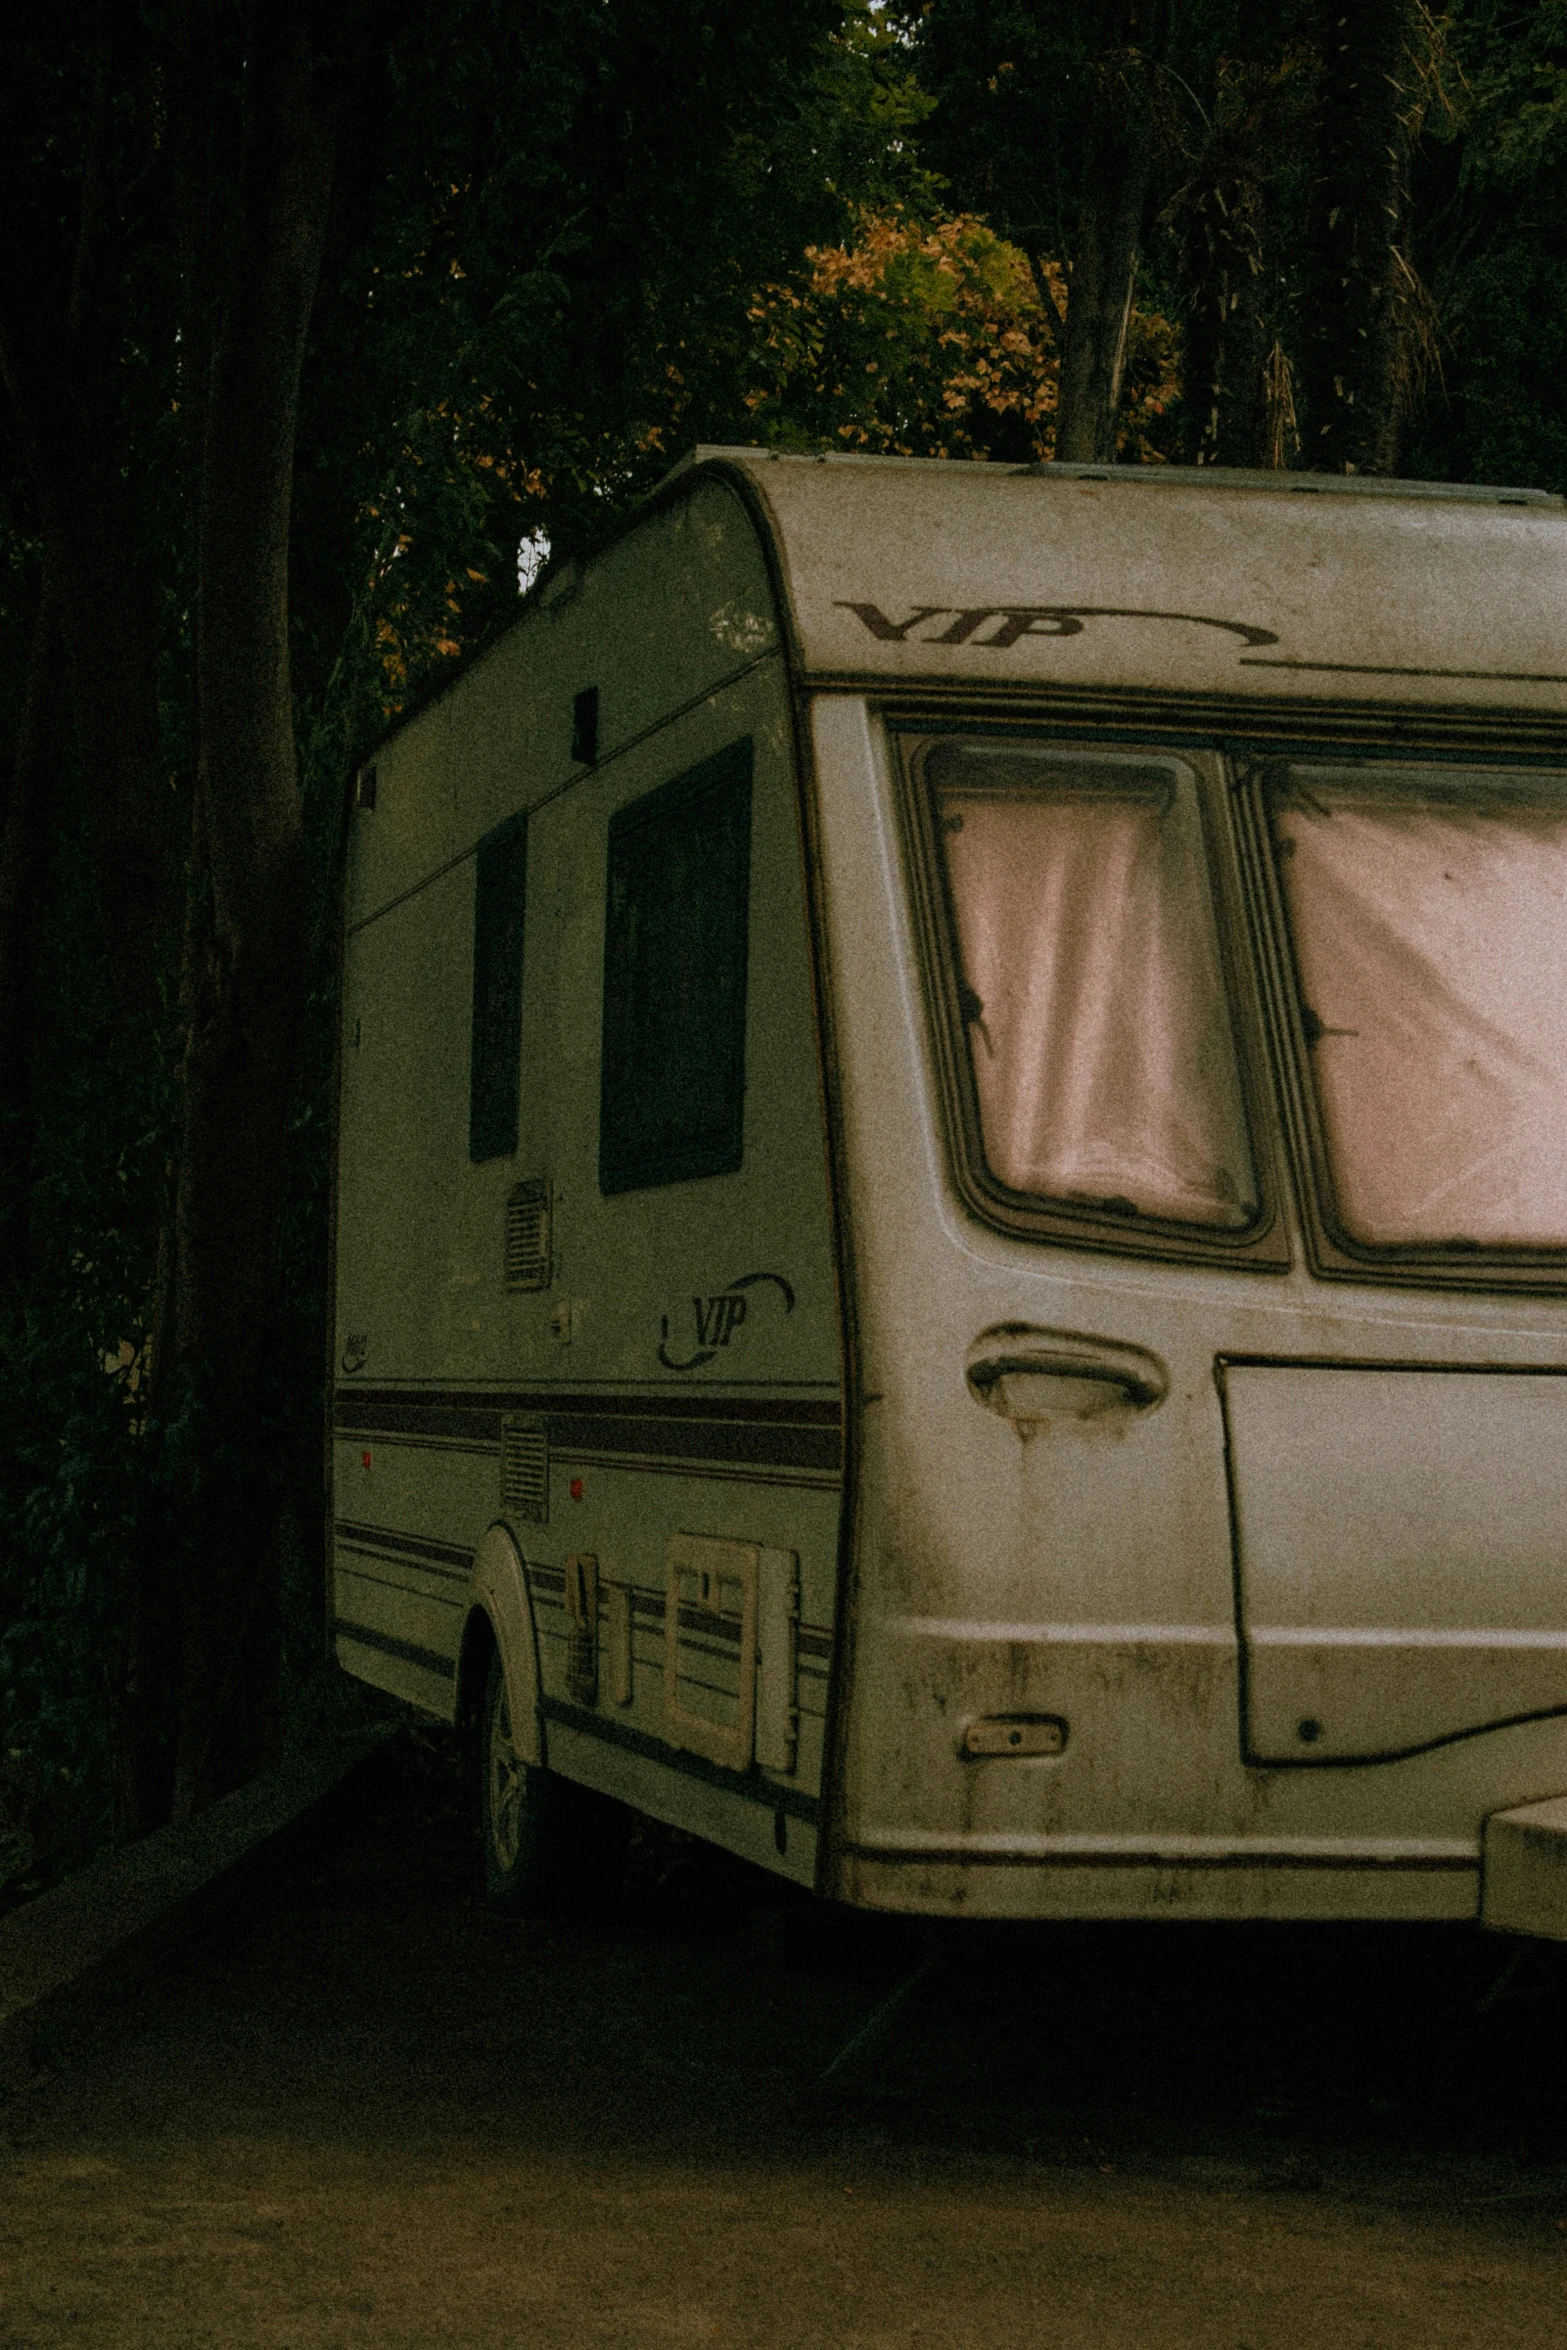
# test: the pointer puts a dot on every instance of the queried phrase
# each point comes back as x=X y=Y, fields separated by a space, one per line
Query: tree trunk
x=26 y=831
x=250 y=954
x=90 y=528
x=1352 y=361
x=146 y=1741
x=59 y=349
x=1102 y=280
x=1223 y=346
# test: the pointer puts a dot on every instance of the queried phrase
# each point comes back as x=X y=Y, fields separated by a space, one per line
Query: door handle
x=1029 y=1374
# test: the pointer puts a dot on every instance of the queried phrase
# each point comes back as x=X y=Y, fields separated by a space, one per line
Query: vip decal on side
x=695 y=1332
x=1016 y=621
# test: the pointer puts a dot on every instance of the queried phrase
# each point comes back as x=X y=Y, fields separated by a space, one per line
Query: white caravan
x=952 y=1192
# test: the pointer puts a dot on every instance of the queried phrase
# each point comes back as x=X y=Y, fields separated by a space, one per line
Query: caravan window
x=1427 y=916
x=1099 y=1058
x=495 y=1055
x=675 y=940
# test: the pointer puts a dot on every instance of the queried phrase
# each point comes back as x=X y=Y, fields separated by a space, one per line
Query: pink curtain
x=1430 y=932
x=1102 y=1053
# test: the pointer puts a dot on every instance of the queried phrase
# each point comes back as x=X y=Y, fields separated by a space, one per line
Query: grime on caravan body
x=951 y=1213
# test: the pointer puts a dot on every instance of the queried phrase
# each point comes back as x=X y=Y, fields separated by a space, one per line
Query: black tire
x=549 y=1845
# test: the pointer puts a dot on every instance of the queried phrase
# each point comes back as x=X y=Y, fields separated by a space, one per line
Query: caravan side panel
x=669 y=1391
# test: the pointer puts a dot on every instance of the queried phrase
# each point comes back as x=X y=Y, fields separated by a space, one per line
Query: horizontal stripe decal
x=786 y=1432
x=367 y=1637
x=749 y=1785
x=685 y=1464
x=944 y=1857
x=452 y=1560
x=406 y=1443
x=686 y=1404
x=545 y=1582
x=716 y=1627
x=353 y=1565
x=382 y=1539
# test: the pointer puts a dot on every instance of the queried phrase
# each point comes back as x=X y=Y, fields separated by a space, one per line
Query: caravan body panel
x=1173 y=1537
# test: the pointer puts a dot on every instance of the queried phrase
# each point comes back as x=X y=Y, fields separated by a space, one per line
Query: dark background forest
x=323 y=326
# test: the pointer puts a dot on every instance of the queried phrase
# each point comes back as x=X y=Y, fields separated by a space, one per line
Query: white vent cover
x=525 y=1470
x=528 y=1235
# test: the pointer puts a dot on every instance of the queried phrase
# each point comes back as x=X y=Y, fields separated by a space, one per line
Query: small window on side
x=675 y=935
x=499 y=901
x=585 y=726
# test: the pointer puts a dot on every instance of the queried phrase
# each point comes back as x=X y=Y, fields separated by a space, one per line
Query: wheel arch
x=500 y=1617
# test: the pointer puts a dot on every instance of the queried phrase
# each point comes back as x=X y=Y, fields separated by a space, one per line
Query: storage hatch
x=1401 y=1554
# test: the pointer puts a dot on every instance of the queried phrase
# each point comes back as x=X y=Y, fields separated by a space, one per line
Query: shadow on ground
x=359 y=2111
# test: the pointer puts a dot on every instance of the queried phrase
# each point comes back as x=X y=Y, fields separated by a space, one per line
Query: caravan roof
x=1305 y=587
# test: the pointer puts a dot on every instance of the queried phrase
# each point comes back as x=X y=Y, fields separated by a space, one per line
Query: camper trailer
x=951 y=1207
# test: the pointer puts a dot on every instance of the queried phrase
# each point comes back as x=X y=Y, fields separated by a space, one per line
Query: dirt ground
x=358 y=2115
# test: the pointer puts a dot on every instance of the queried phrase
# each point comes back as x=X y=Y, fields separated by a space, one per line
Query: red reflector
x=576 y=1488
x=367 y=1460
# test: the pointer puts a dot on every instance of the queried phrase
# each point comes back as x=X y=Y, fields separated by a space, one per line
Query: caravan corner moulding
x=952 y=1223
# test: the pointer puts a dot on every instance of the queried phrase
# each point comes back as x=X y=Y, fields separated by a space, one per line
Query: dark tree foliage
x=1489 y=202
x=1329 y=199
x=1071 y=128
x=1244 y=172
x=306 y=314
x=1358 y=282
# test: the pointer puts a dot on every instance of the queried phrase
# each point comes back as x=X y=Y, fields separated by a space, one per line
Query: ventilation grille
x=525 y=1470
x=528 y=1235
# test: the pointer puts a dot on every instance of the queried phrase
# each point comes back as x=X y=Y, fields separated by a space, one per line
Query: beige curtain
x=1102 y=1053
x=1430 y=929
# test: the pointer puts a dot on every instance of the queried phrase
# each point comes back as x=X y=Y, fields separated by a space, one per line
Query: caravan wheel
x=516 y=1807
x=548 y=1844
